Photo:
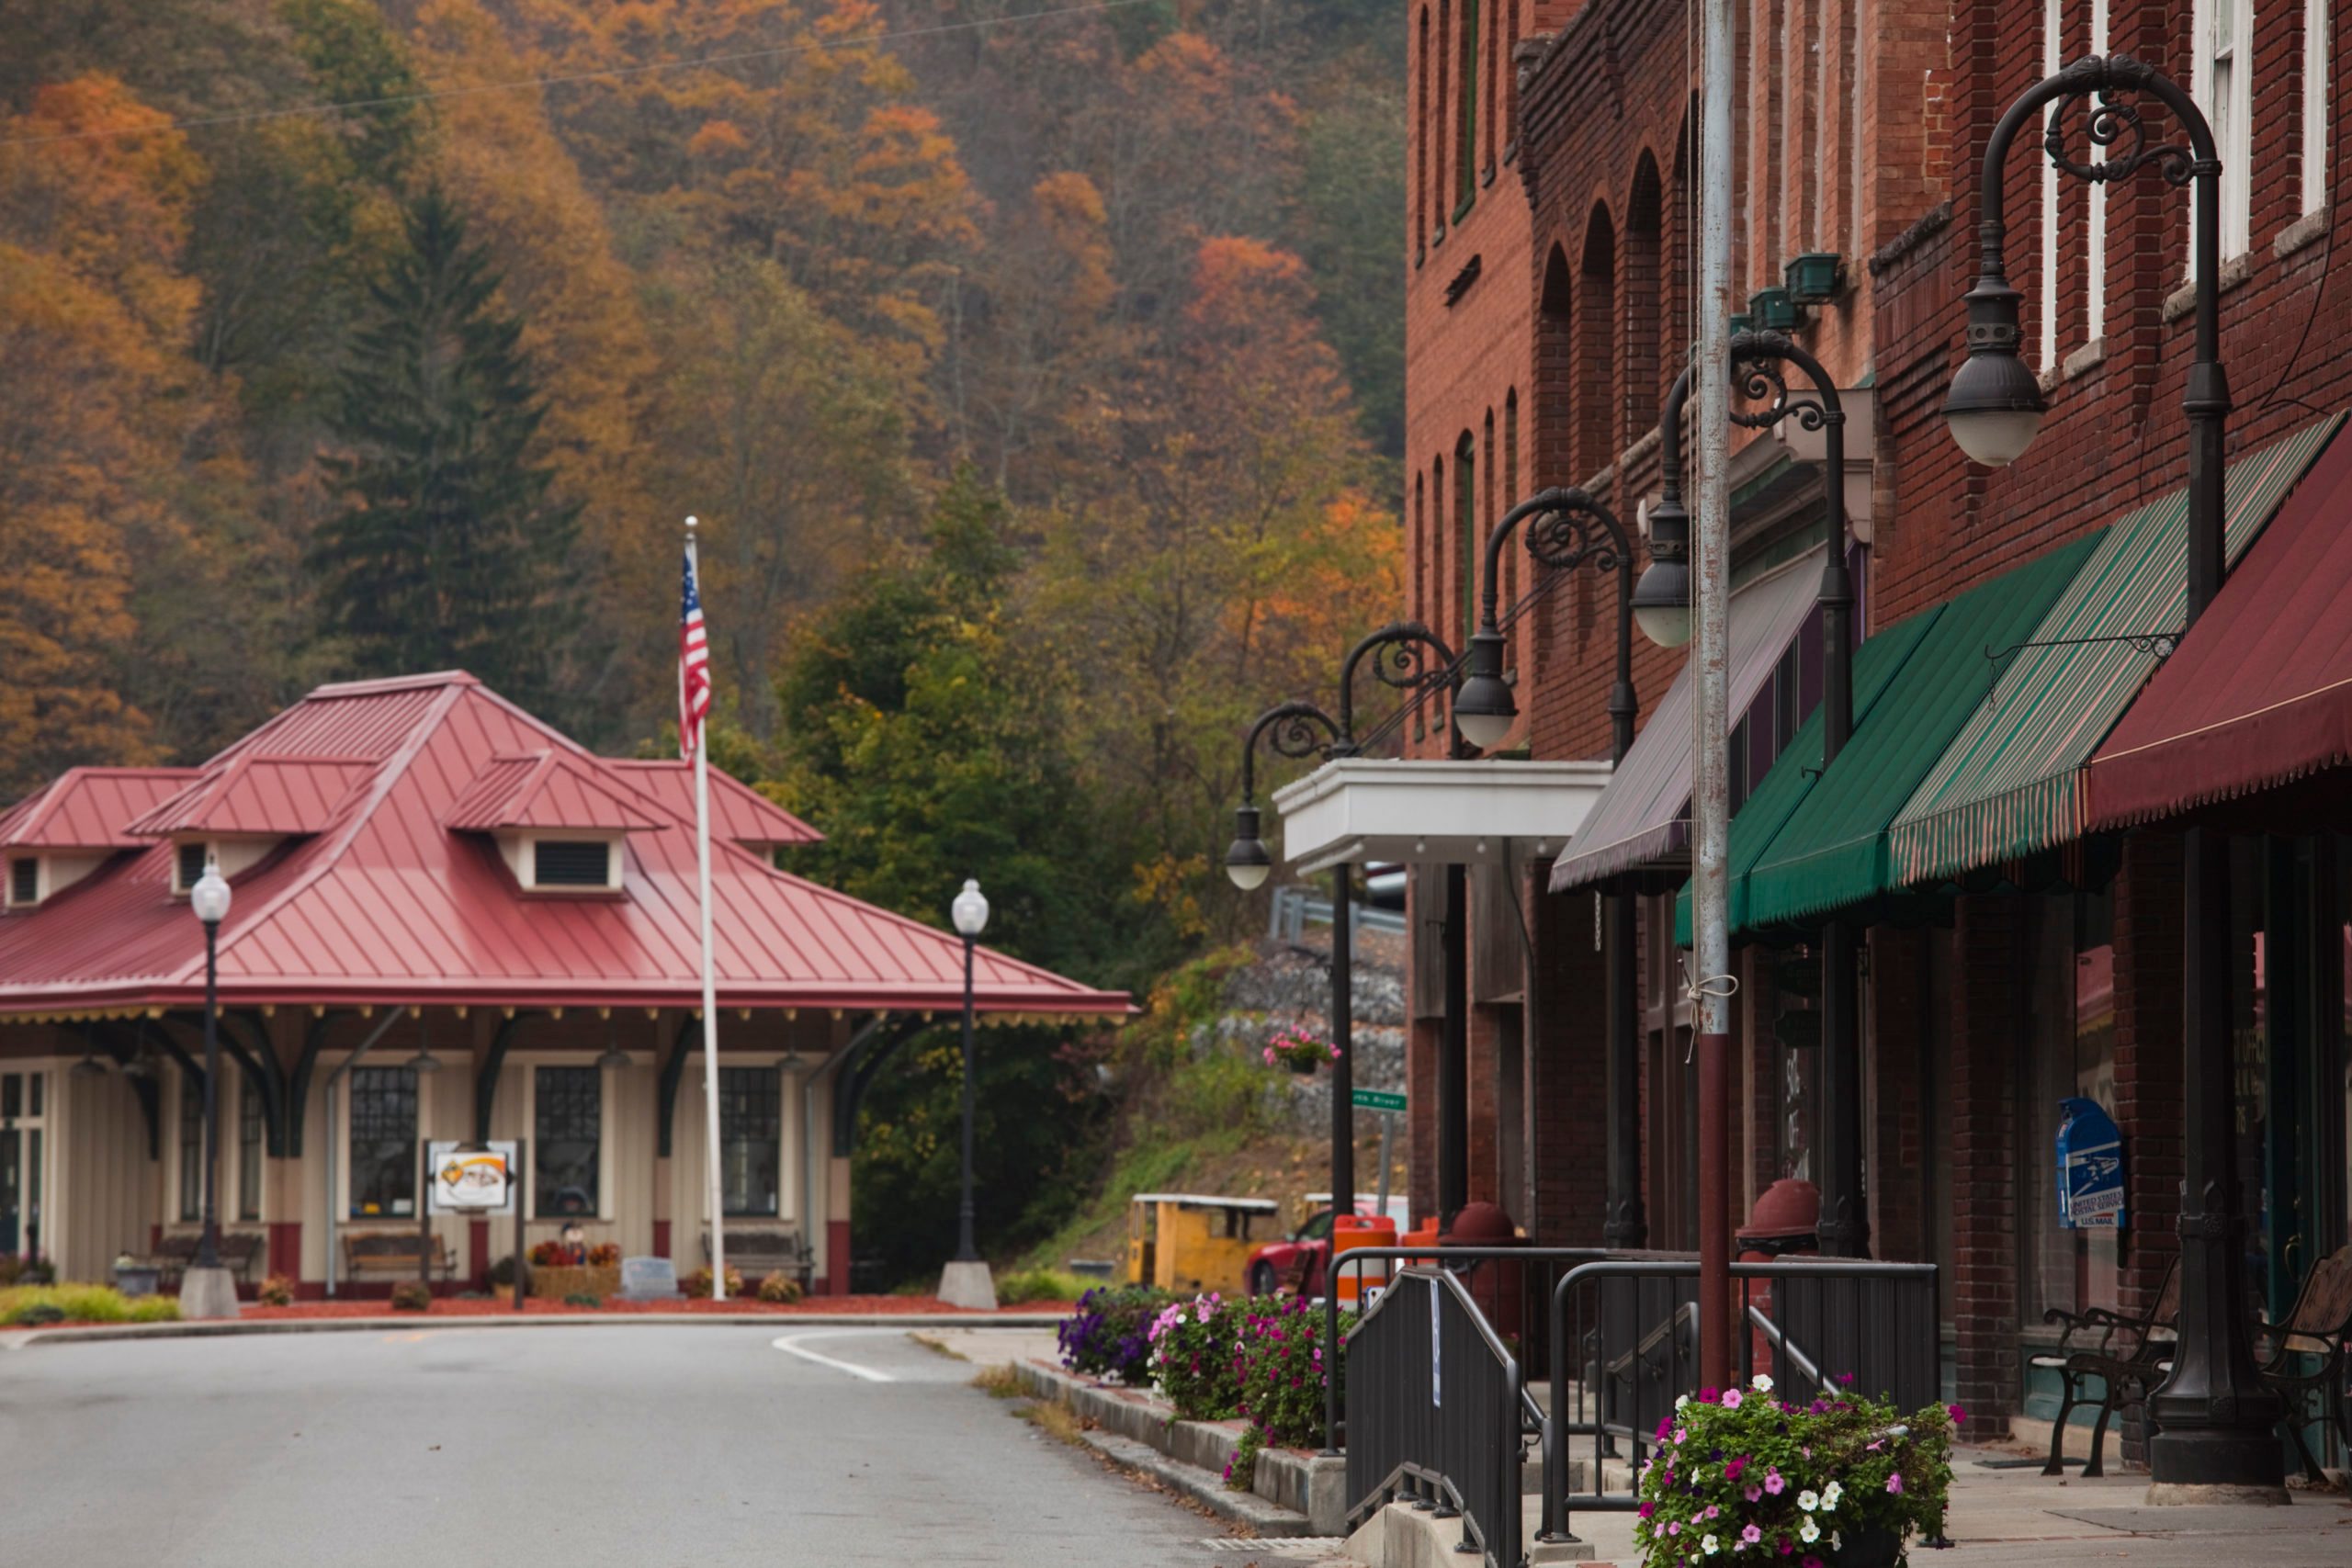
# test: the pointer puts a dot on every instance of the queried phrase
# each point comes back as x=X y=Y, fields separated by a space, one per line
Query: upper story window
x=2225 y=90
x=2317 y=35
x=23 y=881
x=1465 y=137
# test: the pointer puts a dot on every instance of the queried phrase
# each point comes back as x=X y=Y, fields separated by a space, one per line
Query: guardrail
x=1624 y=1346
x=1295 y=909
x=1437 y=1412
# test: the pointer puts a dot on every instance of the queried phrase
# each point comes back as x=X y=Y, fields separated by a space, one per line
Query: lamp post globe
x=970 y=910
x=210 y=896
x=1662 y=603
x=1994 y=408
x=1247 y=862
x=1483 y=709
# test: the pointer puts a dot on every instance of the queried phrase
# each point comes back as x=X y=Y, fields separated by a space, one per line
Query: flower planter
x=582 y=1279
x=1304 y=1068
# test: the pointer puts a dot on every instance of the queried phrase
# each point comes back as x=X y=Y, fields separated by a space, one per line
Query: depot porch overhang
x=1365 y=810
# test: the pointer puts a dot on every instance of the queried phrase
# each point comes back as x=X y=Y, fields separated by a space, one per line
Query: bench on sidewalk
x=176 y=1255
x=394 y=1252
x=2127 y=1354
x=2306 y=1354
x=757 y=1252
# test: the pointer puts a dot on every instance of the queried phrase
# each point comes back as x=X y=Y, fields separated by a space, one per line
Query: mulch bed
x=502 y=1305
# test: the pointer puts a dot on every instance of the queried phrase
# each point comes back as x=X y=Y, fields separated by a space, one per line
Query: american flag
x=693 y=663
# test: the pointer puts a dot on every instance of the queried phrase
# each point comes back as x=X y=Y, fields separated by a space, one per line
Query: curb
x=781 y=1321
x=1266 y=1520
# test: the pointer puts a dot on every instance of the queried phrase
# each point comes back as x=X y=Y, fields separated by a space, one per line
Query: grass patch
x=84 y=1304
x=1000 y=1381
x=1054 y=1420
x=1020 y=1285
x=938 y=1347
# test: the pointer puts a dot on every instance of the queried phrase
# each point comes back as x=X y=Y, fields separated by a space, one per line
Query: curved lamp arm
x=1292 y=725
x=1400 y=664
x=1566 y=528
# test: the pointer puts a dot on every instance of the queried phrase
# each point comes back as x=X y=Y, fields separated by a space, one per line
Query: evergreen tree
x=450 y=553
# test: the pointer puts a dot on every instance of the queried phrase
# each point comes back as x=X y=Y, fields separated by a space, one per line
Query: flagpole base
x=969 y=1287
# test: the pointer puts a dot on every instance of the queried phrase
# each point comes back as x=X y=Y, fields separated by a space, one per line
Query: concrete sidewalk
x=2020 y=1519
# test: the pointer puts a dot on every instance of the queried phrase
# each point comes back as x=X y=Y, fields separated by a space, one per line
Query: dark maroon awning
x=2260 y=690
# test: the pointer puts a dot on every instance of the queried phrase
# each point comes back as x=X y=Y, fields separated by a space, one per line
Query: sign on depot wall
x=473 y=1179
x=2090 y=1168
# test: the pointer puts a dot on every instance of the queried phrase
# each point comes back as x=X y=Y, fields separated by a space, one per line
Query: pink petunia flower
x=1772 y=1482
x=1731 y=1399
x=1754 y=1494
x=1752 y=1534
x=1958 y=1416
x=1894 y=1484
x=1732 y=1468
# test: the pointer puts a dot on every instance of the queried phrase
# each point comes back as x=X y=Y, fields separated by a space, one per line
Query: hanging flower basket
x=1300 y=1051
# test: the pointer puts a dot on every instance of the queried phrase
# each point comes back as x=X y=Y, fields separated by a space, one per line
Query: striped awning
x=2011 y=785
x=1821 y=845
x=1644 y=813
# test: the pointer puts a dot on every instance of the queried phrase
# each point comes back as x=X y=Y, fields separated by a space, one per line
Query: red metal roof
x=257 y=795
x=90 y=808
x=738 y=812
x=2260 y=690
x=545 y=789
x=384 y=903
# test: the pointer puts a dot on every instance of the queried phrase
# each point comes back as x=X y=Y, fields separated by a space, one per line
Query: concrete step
x=1401 y=1536
x=1204 y=1487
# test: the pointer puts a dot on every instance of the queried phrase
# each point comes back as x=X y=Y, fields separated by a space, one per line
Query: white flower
x=1830 y=1494
x=1681 y=1399
x=1835 y=1543
x=1808 y=1501
x=1809 y=1532
x=1761 y=1383
x=1710 y=1545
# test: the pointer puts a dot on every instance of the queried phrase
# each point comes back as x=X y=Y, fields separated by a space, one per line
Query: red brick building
x=2017 y=951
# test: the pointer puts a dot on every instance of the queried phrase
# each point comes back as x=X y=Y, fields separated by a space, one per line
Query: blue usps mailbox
x=2090 y=1168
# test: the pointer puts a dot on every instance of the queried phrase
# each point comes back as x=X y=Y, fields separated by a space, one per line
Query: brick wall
x=1568 y=1073
x=1986 y=1022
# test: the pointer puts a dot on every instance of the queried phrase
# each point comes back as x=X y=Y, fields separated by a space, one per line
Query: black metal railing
x=1625 y=1347
x=1438 y=1414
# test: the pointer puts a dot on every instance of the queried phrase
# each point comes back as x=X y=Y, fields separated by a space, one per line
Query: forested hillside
x=1035 y=368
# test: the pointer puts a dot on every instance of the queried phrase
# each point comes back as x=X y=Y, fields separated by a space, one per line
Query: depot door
x=24 y=1112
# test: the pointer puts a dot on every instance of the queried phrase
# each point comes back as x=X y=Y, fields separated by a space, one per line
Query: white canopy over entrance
x=1375 y=810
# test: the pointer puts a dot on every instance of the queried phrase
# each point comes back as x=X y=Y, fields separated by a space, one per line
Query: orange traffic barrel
x=1352 y=1231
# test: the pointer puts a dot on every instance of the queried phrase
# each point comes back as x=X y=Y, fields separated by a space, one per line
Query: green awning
x=2011 y=783
x=1809 y=841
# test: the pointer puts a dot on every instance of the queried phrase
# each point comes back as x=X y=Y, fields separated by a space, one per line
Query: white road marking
x=791 y=1346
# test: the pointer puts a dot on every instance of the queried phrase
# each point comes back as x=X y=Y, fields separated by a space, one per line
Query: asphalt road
x=639 y=1446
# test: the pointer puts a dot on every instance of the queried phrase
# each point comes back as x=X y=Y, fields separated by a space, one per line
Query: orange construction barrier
x=1351 y=1231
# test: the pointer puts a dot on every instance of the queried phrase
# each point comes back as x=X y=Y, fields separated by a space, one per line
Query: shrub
x=780 y=1289
x=1279 y=1368
x=154 y=1309
x=278 y=1290
x=1241 y=1469
x=1040 y=1285
x=90 y=1303
x=604 y=1255
x=697 y=1284
x=411 y=1296
x=1194 y=1359
x=37 y=1313
x=501 y=1273
x=584 y=1298
x=1108 y=1335
x=1745 y=1472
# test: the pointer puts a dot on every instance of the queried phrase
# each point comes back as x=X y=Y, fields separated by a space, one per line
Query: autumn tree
x=450 y=550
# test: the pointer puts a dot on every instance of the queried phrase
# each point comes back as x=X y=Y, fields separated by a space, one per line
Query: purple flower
x=1958 y=1415
x=1732 y=1470
x=1713 y=1511
x=1753 y=1493
x=1648 y=1508
x=1674 y=1526
x=1752 y=1534
x=1846 y=1378
x=1772 y=1482
x=1811 y=1561
x=1894 y=1484
x=1706 y=1396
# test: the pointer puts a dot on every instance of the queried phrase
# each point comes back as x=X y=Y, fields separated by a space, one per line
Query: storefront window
x=567 y=1133
x=2250 y=1051
x=751 y=1153
x=2071 y=1055
x=383 y=1142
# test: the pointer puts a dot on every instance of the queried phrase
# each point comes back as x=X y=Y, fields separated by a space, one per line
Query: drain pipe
x=391 y=1018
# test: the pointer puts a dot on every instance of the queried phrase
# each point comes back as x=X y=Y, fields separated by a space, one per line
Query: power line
x=617 y=73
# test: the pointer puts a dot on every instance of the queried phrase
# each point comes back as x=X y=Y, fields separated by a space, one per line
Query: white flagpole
x=715 y=1196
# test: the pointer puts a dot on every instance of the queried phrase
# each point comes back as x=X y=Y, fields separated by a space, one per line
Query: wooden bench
x=2128 y=1354
x=176 y=1255
x=394 y=1252
x=758 y=1253
x=2307 y=1353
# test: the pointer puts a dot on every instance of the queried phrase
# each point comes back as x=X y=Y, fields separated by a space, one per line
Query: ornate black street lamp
x=208 y=1291
x=970 y=910
x=1407 y=656
x=2214 y=1414
x=1567 y=529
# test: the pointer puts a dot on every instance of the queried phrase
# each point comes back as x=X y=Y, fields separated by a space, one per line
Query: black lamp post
x=2214 y=1414
x=1567 y=529
x=209 y=900
x=970 y=910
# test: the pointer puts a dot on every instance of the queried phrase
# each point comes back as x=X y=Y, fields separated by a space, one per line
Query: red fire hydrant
x=1785 y=1222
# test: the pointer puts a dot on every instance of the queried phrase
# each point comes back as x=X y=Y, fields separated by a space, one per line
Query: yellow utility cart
x=1183 y=1241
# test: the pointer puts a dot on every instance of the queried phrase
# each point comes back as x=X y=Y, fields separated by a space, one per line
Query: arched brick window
x=1644 y=301
x=1596 y=348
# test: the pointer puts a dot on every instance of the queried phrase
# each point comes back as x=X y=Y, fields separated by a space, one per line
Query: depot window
x=750 y=1138
x=567 y=1132
x=383 y=1142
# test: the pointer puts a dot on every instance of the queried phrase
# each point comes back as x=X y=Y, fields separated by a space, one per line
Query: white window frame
x=606 y=1214
x=2054 y=22
x=2225 y=87
x=790 y=1201
x=345 y=1219
x=2095 y=249
x=2318 y=53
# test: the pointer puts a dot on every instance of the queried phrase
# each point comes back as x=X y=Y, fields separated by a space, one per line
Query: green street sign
x=1379 y=1099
